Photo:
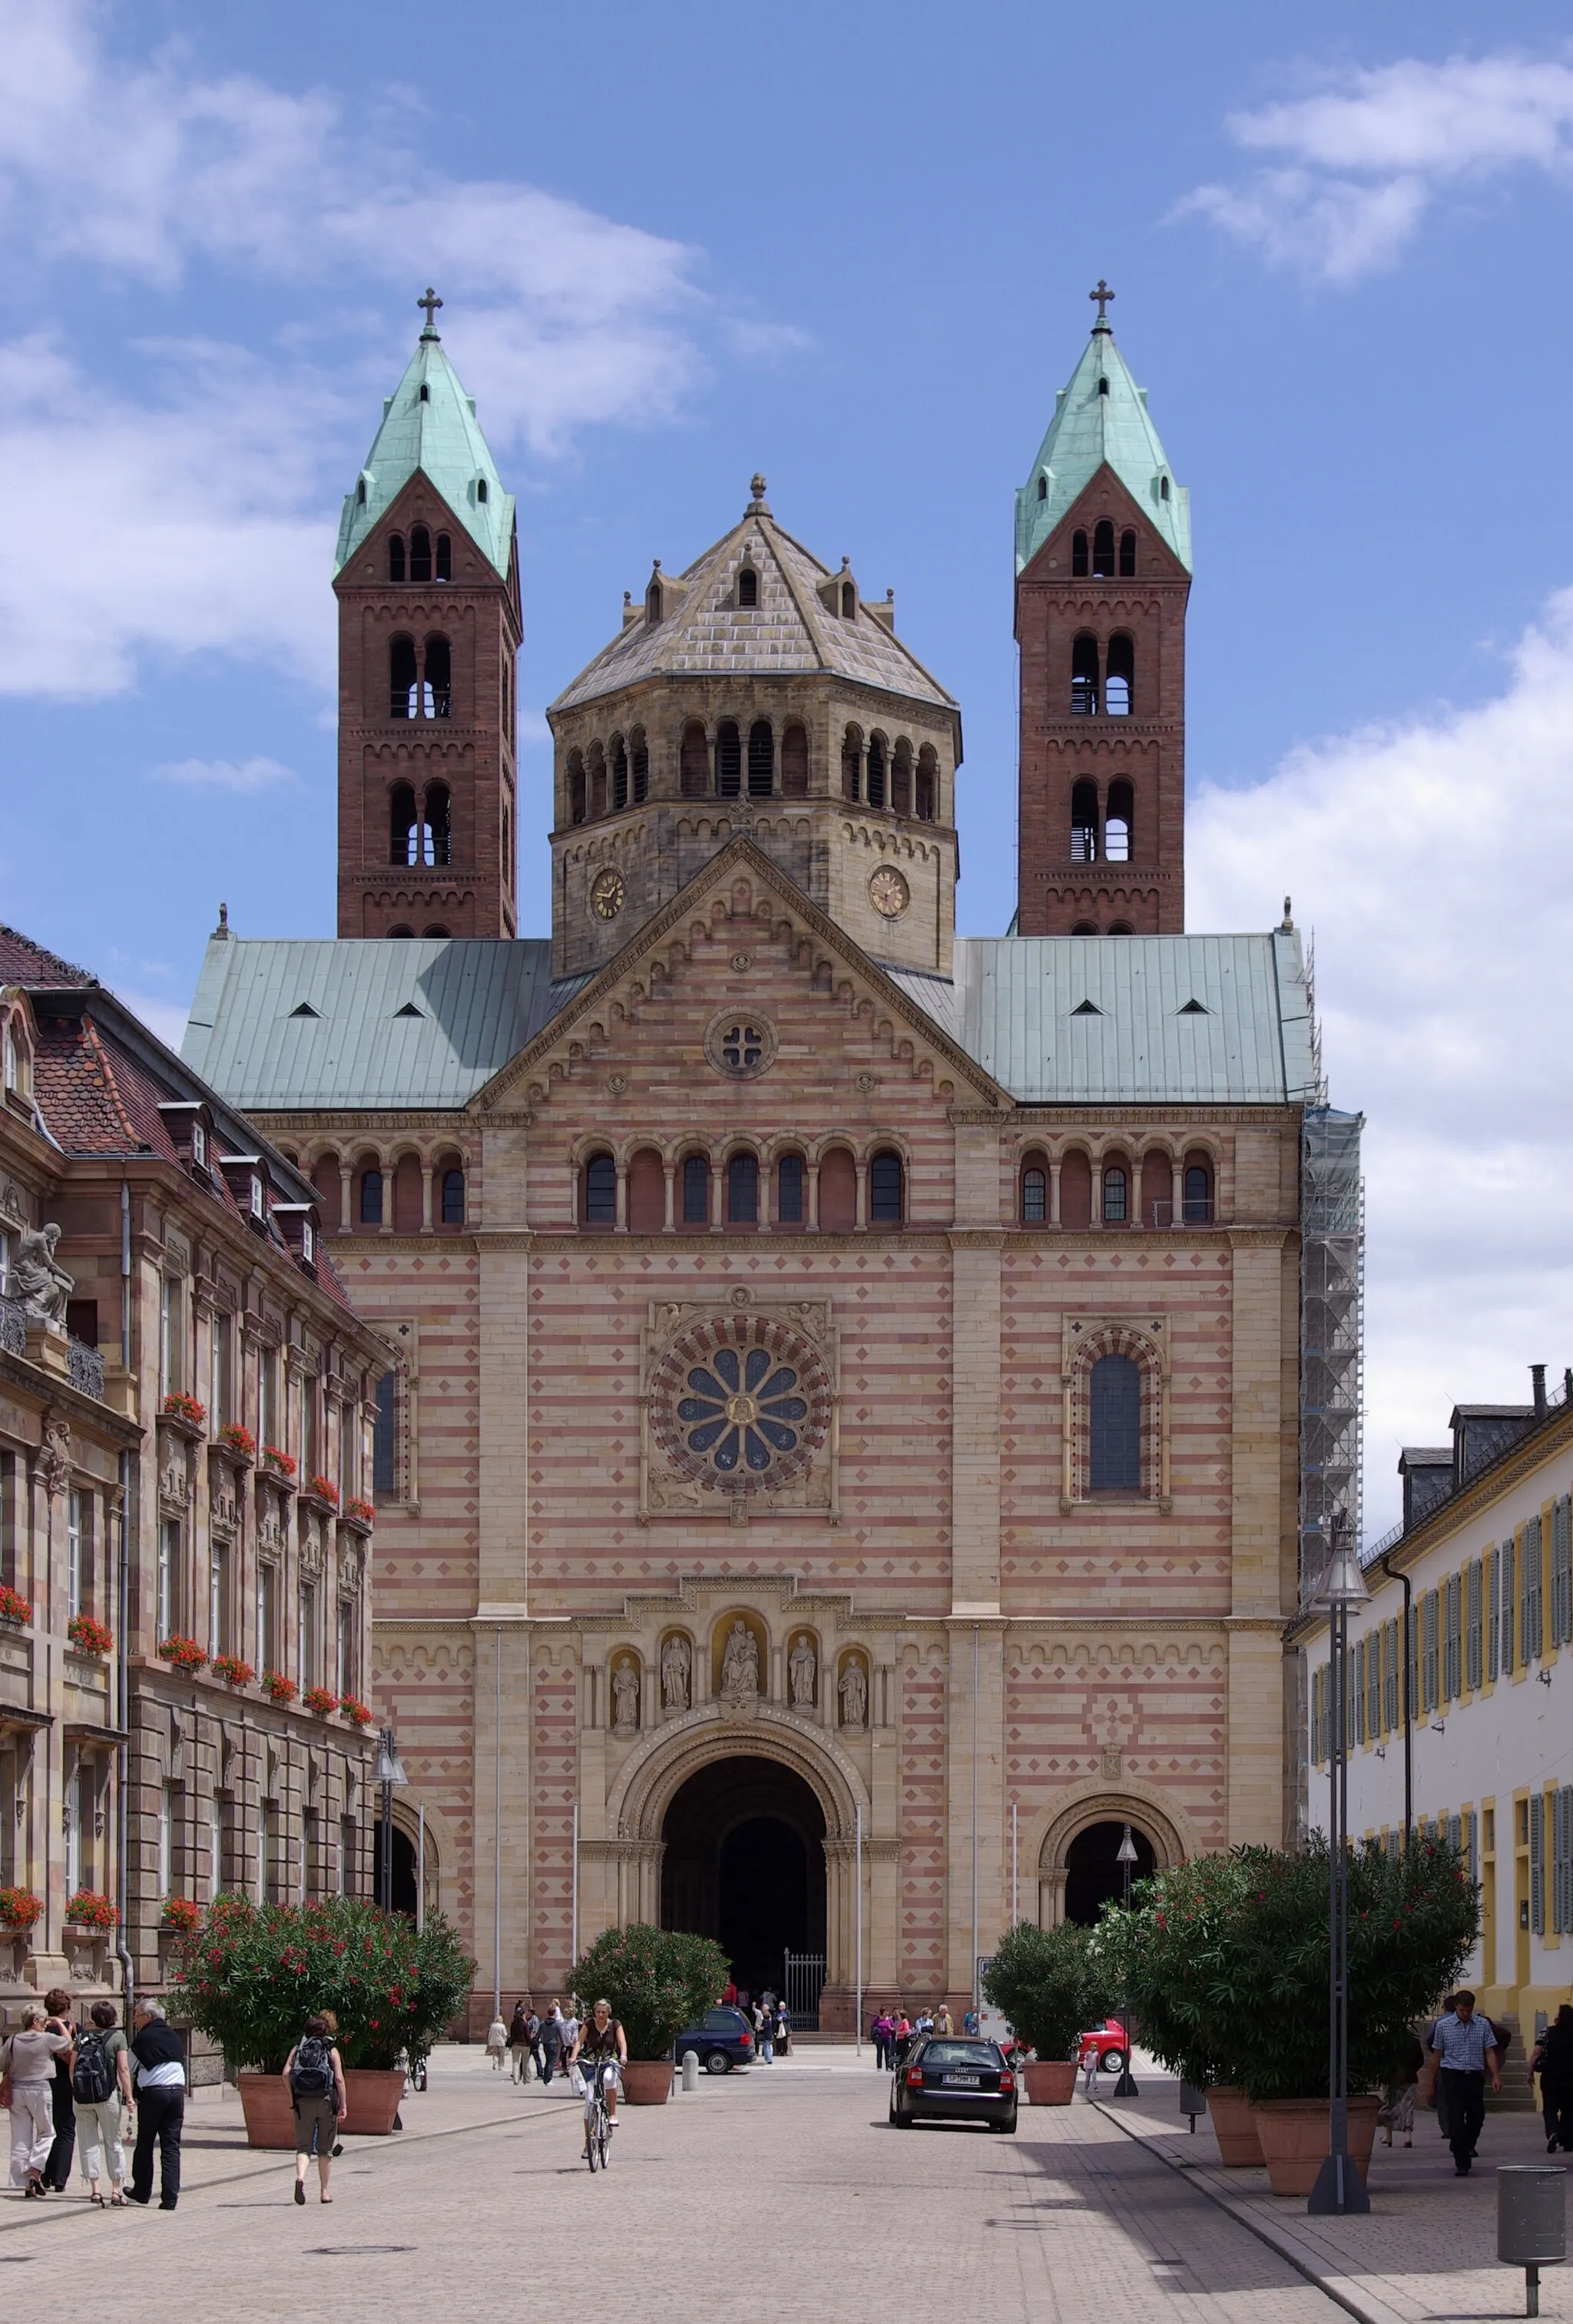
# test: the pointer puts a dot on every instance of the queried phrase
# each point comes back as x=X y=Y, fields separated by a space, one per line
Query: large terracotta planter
x=1050 y=2082
x=647 y=2081
x=1295 y=2139
x=270 y=2116
x=373 y=2093
x=1235 y=2128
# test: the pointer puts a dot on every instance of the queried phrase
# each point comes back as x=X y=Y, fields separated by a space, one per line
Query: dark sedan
x=723 y=2039
x=945 y=2080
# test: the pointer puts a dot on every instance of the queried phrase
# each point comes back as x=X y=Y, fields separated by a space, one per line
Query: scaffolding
x=1332 y=1286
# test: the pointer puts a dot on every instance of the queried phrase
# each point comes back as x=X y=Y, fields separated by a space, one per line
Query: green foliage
x=1050 y=1984
x=252 y=1974
x=659 y=1982
x=1226 y=1959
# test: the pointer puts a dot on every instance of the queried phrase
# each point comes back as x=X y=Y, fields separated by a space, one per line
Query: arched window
x=885 y=1189
x=696 y=1191
x=483 y=491
x=396 y=557
x=1085 y=928
x=694 y=761
x=600 y=1209
x=1103 y=386
x=748 y=586
x=875 y=771
x=1117 y=825
x=444 y=557
x=371 y=1196
x=437 y=694
x=1164 y=488
x=1078 y=556
x=401 y=678
x=1127 y=554
x=1034 y=1193
x=1116 y=1194
x=1042 y=488
x=901 y=777
x=743 y=1190
x=848 y=601
x=729 y=760
x=453 y=1198
x=1198 y=1190
x=597 y=780
x=425 y=393
x=420 y=553
x=639 y=758
x=619 y=775
x=1121 y=928
x=652 y=602
x=401 y=824
x=576 y=787
x=406 y=1191
x=761 y=760
x=928 y=801
x=1084 y=821
x=1076 y=1190
x=851 y=757
x=1103 y=550
x=646 y=1191
x=438 y=823
x=794 y=764
x=838 y=1192
x=788 y=1190
x=437 y=929
x=360 y=493
x=400 y=931
x=1121 y=676
x=1114 y=1425
x=1084 y=676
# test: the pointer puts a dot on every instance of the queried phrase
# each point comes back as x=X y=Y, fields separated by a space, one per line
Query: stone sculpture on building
x=854 y=1694
x=38 y=1280
x=625 y=1697
x=740 y=1664
x=675 y=1661
x=804 y=1670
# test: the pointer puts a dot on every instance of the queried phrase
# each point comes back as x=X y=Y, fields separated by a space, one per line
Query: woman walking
x=101 y=2088
x=497 y=2042
x=1398 y=2113
x=519 y=2041
x=1552 y=2059
x=57 y=2171
x=315 y=2076
x=28 y=2057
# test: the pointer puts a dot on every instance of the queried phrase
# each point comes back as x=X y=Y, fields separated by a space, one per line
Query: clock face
x=888 y=892
x=606 y=894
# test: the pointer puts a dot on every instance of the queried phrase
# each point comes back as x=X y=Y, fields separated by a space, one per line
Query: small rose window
x=741 y=1408
x=742 y=1047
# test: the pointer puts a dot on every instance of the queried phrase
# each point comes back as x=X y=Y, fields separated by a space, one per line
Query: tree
x=659 y=1981
x=1048 y=1985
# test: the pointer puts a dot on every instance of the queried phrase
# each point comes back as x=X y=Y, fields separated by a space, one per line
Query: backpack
x=312 y=2074
x=92 y=2076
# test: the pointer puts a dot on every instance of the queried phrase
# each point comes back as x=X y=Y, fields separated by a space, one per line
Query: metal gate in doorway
x=803 y=1983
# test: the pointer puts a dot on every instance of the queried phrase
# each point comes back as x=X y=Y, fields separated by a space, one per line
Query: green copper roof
x=430 y=423
x=1090 y=427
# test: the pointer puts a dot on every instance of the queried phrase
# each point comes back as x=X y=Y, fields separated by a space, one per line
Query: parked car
x=1107 y=2042
x=723 y=2038
x=948 y=2079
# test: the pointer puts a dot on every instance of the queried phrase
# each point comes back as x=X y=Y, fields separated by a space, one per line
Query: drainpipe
x=121 y=1626
x=1403 y=1581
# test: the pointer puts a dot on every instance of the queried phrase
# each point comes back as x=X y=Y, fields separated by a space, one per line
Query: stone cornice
x=1257 y=1238
x=1128 y=1114
x=300 y=1120
x=978 y=1238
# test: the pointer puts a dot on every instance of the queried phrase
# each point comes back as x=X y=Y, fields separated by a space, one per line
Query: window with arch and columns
x=406 y=1193
x=1115 y=1432
x=1157 y=1188
x=746 y=1187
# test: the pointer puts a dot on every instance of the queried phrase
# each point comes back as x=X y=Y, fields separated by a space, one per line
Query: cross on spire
x=1103 y=294
x=432 y=303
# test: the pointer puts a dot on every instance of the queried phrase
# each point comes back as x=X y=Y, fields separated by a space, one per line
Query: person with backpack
x=314 y=2075
x=101 y=2092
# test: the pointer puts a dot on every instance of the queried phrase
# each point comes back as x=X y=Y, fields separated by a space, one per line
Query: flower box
x=281 y=1689
x=89 y=1637
x=90 y=1910
x=179 y=1917
x=179 y=1406
x=277 y=1462
x=360 y=1513
x=321 y=1700
x=323 y=1489
x=184 y=1653
x=237 y=1440
x=13 y=1606
x=20 y=1909
x=232 y=1670
x=358 y=1713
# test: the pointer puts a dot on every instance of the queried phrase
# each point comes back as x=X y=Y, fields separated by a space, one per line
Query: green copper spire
x=1101 y=416
x=430 y=423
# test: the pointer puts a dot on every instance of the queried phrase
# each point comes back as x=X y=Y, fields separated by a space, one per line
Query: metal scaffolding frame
x=1332 y=1301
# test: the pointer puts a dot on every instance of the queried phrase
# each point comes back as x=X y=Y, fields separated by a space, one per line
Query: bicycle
x=597 y=2120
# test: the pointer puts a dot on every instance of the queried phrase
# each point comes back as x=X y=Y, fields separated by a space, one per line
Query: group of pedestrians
x=1449 y=2065
x=893 y=2032
x=531 y=2046
x=68 y=2085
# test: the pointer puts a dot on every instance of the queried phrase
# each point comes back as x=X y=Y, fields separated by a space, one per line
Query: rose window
x=742 y=1406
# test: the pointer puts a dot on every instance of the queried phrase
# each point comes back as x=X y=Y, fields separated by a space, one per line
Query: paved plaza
x=780 y=2191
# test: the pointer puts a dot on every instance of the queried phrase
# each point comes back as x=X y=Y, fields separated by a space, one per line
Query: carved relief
x=175 y=1485
x=223 y=1506
x=52 y=1461
x=311 y=1551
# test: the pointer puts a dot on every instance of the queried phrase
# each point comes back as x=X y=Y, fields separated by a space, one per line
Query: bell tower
x=427 y=579
x=1103 y=576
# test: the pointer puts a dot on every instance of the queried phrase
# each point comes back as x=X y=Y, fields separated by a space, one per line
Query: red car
x=1106 y=2044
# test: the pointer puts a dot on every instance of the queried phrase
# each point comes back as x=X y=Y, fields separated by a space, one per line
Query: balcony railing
x=84 y=1365
x=12 y=1326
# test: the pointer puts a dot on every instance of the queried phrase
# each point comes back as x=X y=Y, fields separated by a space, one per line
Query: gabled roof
x=22 y=961
x=1092 y=428
x=703 y=632
x=437 y=434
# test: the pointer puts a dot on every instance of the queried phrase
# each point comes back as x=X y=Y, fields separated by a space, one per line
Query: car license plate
x=963 y=2082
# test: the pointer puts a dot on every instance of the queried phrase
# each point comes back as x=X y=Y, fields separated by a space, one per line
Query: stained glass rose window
x=743 y=1405
x=740 y=1403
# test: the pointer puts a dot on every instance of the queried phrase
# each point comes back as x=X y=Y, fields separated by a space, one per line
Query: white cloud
x=1352 y=169
x=167 y=1018
x=1431 y=859
x=244 y=776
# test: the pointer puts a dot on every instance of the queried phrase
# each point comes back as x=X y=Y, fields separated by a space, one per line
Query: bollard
x=690 y=2069
x=1192 y=2102
x=1532 y=2222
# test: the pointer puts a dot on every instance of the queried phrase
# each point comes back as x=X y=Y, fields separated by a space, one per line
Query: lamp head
x=1127 y=1853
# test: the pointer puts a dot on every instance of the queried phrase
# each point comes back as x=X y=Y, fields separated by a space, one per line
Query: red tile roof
x=22 y=961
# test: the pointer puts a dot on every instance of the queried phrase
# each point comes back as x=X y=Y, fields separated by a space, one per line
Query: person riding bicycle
x=601 y=2042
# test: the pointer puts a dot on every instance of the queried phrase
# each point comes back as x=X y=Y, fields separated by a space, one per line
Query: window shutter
x=1530 y=1593
x=1508 y=1599
x=1563 y=1572
x=1471 y=1843
x=1428 y=1672
x=1538 y=1863
x=1562 y=1859
x=1474 y=1661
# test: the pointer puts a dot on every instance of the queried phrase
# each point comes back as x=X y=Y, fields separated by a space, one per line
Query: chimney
x=1537 y=1374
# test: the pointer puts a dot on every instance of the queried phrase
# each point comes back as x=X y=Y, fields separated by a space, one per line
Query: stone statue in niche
x=854 y=1694
x=740 y=1664
x=41 y=1285
x=626 y=1696
x=804 y=1669
x=676 y=1662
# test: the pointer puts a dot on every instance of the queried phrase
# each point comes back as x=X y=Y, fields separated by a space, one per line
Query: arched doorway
x=743 y=1862
x=1094 y=1875
x=404 y=1856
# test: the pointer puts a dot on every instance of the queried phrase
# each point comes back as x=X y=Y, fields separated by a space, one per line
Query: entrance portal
x=1094 y=1875
x=745 y=1863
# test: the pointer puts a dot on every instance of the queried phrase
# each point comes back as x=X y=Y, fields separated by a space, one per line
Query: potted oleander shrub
x=1050 y=1986
x=658 y=1981
x=251 y=1975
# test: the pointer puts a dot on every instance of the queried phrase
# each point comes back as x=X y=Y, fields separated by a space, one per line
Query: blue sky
x=850 y=247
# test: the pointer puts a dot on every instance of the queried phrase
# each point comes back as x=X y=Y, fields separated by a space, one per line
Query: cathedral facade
x=840 y=1466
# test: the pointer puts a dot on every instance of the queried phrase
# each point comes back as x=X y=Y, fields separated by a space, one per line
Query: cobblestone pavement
x=780 y=2191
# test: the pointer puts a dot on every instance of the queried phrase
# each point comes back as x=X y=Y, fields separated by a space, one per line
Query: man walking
x=1464 y=2047
x=551 y=2044
x=161 y=2106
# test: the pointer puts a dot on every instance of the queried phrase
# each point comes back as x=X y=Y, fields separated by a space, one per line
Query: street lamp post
x=1125 y=2087
x=392 y=1777
x=1339 y=2186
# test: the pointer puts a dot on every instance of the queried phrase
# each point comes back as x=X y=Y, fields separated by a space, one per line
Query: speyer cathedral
x=848 y=1418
